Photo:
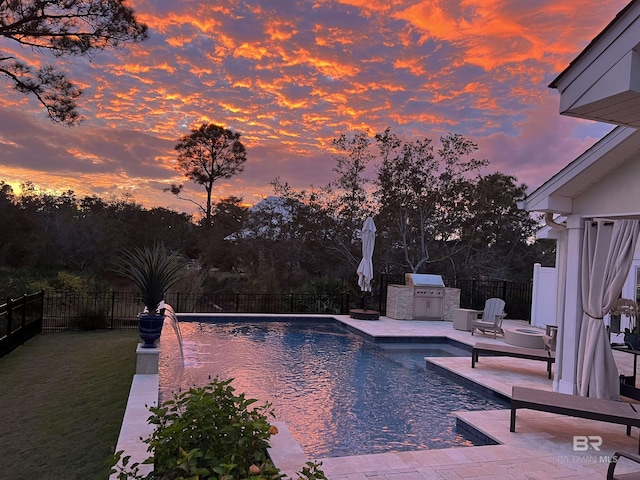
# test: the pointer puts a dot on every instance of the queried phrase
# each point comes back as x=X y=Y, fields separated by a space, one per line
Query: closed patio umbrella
x=365 y=269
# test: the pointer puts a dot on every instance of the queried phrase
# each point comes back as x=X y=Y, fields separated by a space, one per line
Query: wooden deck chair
x=490 y=319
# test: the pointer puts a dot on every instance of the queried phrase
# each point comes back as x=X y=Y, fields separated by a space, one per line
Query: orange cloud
x=291 y=76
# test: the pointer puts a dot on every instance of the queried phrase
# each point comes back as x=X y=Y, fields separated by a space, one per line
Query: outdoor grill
x=428 y=295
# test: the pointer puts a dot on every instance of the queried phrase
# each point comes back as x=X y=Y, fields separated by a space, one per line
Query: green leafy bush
x=210 y=432
x=320 y=295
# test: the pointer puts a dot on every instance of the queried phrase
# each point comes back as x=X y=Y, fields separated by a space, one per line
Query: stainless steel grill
x=428 y=296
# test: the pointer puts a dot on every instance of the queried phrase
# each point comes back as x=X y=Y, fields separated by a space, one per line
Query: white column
x=535 y=292
x=561 y=279
x=569 y=306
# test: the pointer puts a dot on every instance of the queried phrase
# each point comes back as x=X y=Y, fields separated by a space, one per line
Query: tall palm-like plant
x=153 y=270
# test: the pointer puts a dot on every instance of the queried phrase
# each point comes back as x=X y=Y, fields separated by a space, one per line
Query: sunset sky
x=291 y=75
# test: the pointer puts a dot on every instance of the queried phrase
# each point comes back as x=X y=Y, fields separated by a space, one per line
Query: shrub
x=210 y=433
x=320 y=295
x=93 y=316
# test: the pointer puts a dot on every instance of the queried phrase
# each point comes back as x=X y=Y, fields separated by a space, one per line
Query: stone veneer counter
x=400 y=302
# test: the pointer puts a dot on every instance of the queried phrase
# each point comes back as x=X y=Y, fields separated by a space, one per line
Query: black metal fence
x=260 y=303
x=473 y=294
x=70 y=310
x=20 y=320
x=517 y=296
x=385 y=281
x=67 y=310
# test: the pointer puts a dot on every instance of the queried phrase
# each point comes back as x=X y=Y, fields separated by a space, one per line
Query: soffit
x=614 y=150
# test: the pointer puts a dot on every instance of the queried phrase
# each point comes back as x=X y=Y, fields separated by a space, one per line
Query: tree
x=348 y=202
x=206 y=155
x=14 y=241
x=423 y=197
x=352 y=156
x=228 y=218
x=69 y=28
x=312 y=236
x=497 y=235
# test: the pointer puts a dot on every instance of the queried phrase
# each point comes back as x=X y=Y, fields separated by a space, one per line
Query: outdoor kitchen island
x=423 y=297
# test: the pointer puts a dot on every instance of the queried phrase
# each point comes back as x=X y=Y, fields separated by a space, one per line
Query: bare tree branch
x=64 y=28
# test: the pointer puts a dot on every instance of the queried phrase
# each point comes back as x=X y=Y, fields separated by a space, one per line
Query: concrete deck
x=541 y=448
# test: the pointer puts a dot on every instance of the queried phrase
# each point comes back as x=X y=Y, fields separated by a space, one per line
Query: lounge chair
x=490 y=319
x=502 y=350
x=609 y=411
x=615 y=461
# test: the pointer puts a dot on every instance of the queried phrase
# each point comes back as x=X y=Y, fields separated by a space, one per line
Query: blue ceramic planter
x=150 y=329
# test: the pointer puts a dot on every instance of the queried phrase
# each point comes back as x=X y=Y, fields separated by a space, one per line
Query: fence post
x=24 y=310
x=41 y=311
x=385 y=281
x=113 y=307
x=9 y=316
x=473 y=294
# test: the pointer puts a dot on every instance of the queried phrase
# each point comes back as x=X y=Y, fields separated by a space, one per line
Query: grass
x=62 y=399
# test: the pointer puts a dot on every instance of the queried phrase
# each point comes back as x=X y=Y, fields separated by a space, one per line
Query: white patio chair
x=490 y=319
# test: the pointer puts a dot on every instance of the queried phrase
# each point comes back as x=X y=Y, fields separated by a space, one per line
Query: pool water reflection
x=338 y=393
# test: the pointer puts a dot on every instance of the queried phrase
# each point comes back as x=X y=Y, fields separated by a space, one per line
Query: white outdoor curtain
x=607 y=253
x=365 y=269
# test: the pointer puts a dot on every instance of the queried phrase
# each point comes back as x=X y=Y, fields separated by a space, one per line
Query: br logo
x=584 y=443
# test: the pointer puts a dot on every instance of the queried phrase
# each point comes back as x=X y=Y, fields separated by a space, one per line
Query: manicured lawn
x=62 y=399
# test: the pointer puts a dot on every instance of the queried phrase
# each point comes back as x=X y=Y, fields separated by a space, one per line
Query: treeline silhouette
x=64 y=241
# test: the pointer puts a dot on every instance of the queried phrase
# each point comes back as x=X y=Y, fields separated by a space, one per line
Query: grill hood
x=423 y=280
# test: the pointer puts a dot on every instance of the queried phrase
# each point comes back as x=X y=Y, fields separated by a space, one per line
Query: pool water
x=338 y=393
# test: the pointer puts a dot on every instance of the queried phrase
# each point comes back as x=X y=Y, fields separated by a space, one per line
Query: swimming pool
x=339 y=393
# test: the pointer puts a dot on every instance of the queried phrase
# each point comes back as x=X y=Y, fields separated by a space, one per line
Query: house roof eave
x=556 y=194
x=592 y=43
